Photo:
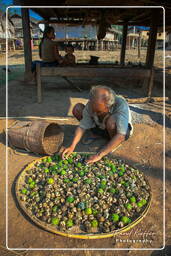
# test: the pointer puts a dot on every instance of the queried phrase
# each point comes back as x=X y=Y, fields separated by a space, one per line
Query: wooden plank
x=92 y=72
x=123 y=48
x=39 y=84
x=27 y=41
x=147 y=99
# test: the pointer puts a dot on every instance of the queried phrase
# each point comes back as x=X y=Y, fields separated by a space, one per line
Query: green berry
x=32 y=184
x=79 y=165
x=60 y=163
x=88 y=181
x=128 y=206
x=55 y=221
x=65 y=161
x=94 y=223
x=112 y=190
x=88 y=211
x=115 y=217
x=113 y=168
x=75 y=179
x=50 y=181
x=81 y=173
x=24 y=191
x=120 y=173
x=46 y=170
x=66 y=180
x=102 y=186
x=139 y=204
x=70 y=199
x=95 y=212
x=143 y=201
x=30 y=180
x=49 y=159
x=100 y=190
x=103 y=182
x=69 y=223
x=125 y=219
x=122 y=168
x=55 y=208
x=63 y=172
x=70 y=161
x=132 y=199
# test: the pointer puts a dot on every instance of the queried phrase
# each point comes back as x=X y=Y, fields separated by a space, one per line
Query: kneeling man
x=106 y=114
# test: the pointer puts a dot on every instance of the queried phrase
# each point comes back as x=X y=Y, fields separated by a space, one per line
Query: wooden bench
x=90 y=71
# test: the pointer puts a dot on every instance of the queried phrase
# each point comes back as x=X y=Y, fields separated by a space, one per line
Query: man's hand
x=67 y=152
x=93 y=159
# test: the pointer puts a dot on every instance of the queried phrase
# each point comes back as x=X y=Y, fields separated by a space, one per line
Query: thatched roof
x=134 y=16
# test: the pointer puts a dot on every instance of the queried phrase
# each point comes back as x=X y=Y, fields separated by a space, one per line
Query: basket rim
x=43 y=133
x=47 y=227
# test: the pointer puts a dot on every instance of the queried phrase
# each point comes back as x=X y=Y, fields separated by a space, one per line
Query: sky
x=5 y=3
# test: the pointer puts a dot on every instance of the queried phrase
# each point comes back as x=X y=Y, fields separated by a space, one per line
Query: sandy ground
x=144 y=150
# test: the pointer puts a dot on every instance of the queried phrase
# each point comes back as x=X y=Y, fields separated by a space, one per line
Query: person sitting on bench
x=48 y=50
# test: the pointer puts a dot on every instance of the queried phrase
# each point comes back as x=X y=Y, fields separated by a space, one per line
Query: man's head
x=101 y=99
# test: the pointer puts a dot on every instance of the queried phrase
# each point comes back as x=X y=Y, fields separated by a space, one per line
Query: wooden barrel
x=37 y=136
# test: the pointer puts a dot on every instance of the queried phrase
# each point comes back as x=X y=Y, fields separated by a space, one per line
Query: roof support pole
x=152 y=41
x=27 y=42
x=123 y=48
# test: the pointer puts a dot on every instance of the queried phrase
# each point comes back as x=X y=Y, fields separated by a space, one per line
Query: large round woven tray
x=74 y=233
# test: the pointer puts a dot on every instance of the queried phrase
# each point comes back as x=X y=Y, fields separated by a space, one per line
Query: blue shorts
x=43 y=64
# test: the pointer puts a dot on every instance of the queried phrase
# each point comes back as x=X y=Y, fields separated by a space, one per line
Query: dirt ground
x=143 y=150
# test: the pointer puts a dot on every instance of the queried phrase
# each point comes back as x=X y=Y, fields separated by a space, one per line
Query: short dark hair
x=69 y=46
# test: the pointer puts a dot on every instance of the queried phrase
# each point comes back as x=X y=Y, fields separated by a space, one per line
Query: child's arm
x=58 y=57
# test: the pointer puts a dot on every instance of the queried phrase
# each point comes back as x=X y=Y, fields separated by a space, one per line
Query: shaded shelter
x=103 y=18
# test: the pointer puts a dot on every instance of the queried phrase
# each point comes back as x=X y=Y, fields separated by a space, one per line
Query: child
x=69 y=58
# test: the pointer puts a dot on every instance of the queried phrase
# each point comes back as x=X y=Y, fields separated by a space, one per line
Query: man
x=106 y=114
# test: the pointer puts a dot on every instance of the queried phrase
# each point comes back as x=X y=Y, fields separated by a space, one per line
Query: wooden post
x=97 y=45
x=27 y=42
x=139 y=46
x=83 y=47
x=38 y=81
x=151 y=83
x=123 y=48
x=152 y=40
x=101 y=45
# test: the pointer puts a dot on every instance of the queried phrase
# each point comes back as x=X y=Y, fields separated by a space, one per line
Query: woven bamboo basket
x=36 y=136
x=76 y=233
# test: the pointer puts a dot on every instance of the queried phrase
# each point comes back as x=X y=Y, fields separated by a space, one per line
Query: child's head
x=49 y=32
x=69 y=48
